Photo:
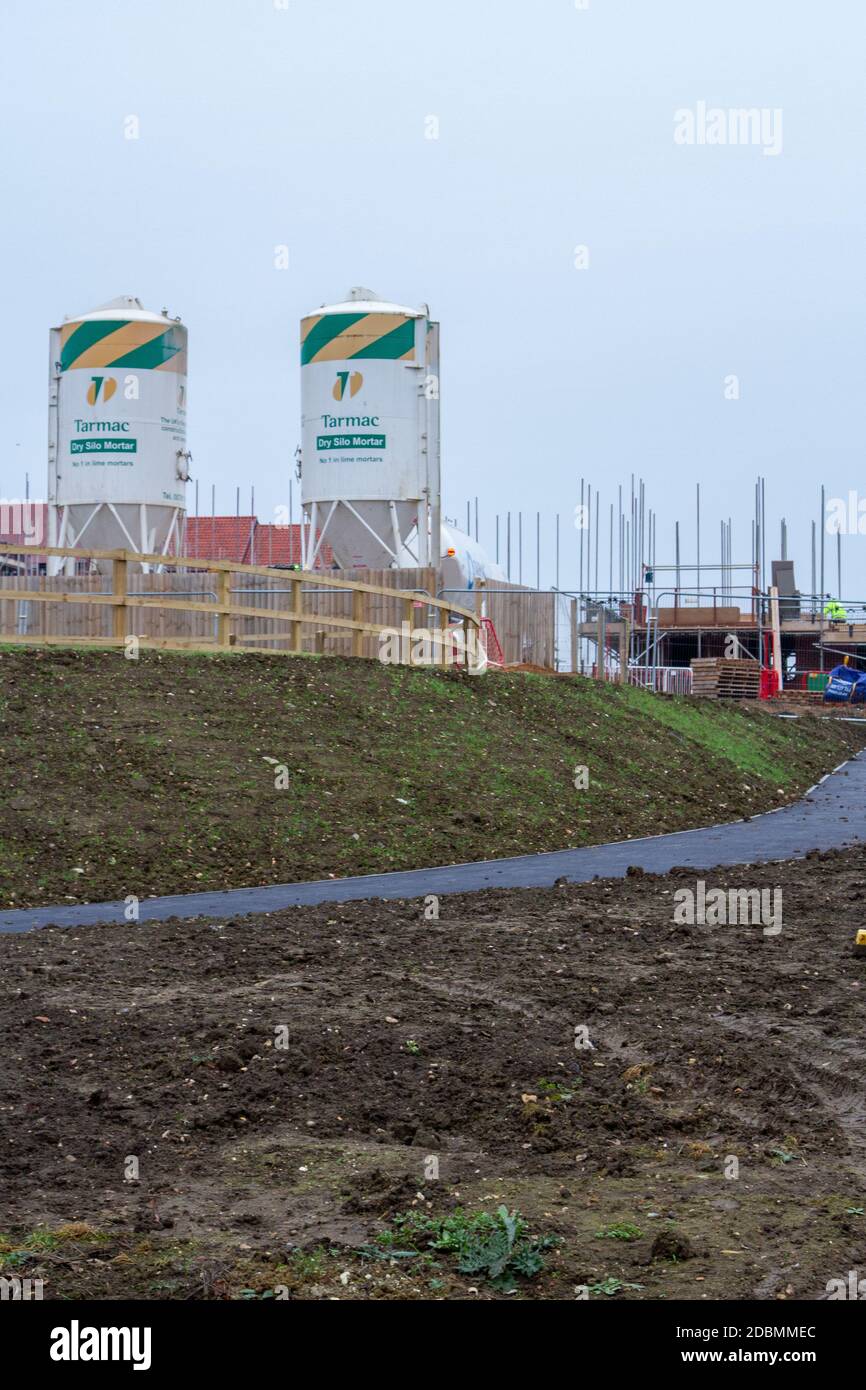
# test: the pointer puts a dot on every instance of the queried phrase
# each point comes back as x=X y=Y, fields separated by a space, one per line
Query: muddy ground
x=285 y=1086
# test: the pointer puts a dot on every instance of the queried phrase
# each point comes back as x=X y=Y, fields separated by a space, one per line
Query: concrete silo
x=370 y=421
x=117 y=459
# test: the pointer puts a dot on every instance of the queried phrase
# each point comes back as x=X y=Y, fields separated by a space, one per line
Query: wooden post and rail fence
x=221 y=605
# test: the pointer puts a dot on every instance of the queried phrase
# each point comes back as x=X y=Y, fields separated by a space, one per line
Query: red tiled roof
x=218 y=538
x=278 y=545
x=241 y=538
x=246 y=540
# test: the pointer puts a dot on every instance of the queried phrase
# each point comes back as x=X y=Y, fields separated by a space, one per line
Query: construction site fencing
x=205 y=604
x=664 y=680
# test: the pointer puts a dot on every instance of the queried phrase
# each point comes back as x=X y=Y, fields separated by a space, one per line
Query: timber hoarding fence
x=524 y=619
x=221 y=605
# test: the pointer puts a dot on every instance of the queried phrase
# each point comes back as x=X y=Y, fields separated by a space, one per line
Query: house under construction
x=660 y=634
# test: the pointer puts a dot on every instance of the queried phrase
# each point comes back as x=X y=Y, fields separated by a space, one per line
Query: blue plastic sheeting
x=844 y=684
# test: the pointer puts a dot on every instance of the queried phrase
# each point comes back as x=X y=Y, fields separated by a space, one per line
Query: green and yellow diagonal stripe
x=121 y=343
x=354 y=337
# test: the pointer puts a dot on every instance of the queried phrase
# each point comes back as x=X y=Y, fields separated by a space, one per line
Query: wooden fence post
x=446 y=646
x=358 y=597
x=168 y=595
x=224 y=598
x=409 y=619
x=297 y=609
x=119 y=589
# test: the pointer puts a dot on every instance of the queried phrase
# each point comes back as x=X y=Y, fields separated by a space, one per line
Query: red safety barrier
x=769 y=683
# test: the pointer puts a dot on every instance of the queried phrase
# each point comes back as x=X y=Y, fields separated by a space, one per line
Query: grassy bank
x=161 y=775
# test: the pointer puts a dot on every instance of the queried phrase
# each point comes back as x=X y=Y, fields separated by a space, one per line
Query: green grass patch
x=497 y=1247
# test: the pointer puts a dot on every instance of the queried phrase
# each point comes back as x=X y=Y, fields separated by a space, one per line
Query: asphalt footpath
x=829 y=816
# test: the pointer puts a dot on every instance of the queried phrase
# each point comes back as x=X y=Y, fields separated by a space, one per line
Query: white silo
x=370 y=422
x=117 y=459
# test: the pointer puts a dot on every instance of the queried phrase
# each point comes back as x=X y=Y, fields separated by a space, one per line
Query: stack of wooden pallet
x=802 y=697
x=718 y=678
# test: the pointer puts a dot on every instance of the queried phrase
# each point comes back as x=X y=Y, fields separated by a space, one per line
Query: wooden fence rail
x=223 y=605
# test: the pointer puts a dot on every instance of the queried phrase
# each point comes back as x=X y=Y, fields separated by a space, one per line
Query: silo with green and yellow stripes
x=370 y=428
x=117 y=457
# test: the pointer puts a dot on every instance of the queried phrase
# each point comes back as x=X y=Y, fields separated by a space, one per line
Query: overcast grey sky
x=305 y=124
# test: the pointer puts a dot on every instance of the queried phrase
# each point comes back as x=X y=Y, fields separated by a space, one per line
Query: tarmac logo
x=354 y=381
x=104 y=384
x=748 y=907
